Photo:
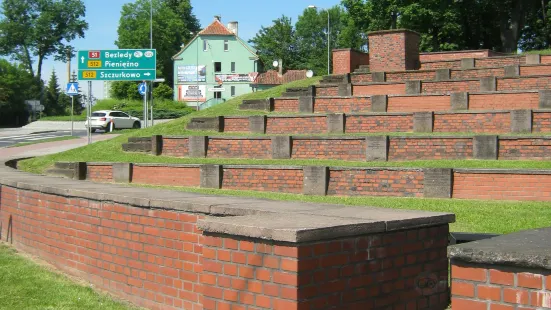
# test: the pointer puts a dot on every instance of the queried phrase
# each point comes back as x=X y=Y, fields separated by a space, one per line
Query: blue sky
x=103 y=19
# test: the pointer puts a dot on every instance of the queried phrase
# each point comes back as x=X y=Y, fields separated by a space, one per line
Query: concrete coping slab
x=297 y=115
x=274 y=220
x=342 y=97
x=504 y=171
x=526 y=249
x=265 y=167
x=98 y=163
x=380 y=114
x=166 y=165
x=471 y=112
x=238 y=137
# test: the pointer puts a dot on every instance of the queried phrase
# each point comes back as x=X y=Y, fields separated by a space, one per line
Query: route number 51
x=93 y=54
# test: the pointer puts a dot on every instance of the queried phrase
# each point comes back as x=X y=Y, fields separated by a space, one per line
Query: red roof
x=216 y=29
x=272 y=77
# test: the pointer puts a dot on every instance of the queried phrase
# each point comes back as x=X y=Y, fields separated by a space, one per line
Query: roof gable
x=216 y=28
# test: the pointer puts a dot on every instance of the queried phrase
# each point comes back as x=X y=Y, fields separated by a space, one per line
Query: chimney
x=217 y=17
x=234 y=27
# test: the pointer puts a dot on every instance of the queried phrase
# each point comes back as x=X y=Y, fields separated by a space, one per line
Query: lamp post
x=328 y=38
x=151 y=47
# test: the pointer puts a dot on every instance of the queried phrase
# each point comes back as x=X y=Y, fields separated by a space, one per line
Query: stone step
x=139 y=140
x=57 y=172
x=137 y=147
x=296 y=94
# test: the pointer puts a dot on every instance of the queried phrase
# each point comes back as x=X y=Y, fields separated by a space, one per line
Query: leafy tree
x=277 y=42
x=163 y=91
x=16 y=86
x=124 y=90
x=173 y=23
x=40 y=28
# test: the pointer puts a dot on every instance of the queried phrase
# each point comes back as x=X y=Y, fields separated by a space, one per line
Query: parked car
x=108 y=120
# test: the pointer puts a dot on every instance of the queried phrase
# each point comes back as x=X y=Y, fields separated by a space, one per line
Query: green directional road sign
x=117 y=65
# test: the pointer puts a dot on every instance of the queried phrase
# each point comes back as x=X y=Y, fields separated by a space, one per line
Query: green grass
x=471 y=215
x=44 y=141
x=541 y=52
x=64 y=118
x=27 y=285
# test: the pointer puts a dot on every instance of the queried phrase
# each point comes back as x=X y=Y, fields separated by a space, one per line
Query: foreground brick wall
x=351 y=273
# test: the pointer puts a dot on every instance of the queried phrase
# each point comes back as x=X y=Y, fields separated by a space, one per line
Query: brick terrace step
x=467 y=63
x=496 y=121
x=488 y=184
x=358 y=148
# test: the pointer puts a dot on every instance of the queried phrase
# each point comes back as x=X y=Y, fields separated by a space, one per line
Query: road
x=13 y=137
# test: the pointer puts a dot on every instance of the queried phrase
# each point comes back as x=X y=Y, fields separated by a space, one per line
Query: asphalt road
x=14 y=137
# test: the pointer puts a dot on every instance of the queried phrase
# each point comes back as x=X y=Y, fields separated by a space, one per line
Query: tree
x=125 y=90
x=173 y=25
x=163 y=91
x=40 y=28
x=52 y=104
x=16 y=86
x=277 y=42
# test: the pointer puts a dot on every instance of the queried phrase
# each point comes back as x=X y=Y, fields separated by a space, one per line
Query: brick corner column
x=394 y=50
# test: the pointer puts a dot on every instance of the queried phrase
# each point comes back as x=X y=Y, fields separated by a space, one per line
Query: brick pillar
x=347 y=60
x=393 y=50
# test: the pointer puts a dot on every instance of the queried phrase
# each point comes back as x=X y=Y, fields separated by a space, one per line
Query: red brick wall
x=342 y=105
x=327 y=90
x=454 y=55
x=329 y=149
x=410 y=75
x=365 y=182
x=285 y=105
x=545 y=59
x=499 y=61
x=360 y=78
x=296 y=125
x=477 y=73
x=99 y=173
x=418 y=103
x=347 y=60
x=498 y=122
x=446 y=87
x=174 y=176
x=535 y=70
x=542 y=82
x=149 y=257
x=503 y=101
x=236 y=124
x=525 y=148
x=450 y=64
x=541 y=121
x=349 y=273
x=379 y=89
x=239 y=148
x=378 y=123
x=502 y=186
x=175 y=147
x=430 y=148
x=499 y=287
x=266 y=180
x=393 y=51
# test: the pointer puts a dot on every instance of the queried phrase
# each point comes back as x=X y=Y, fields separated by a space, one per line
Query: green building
x=214 y=66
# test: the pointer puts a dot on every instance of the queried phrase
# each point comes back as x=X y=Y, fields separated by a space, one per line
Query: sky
x=103 y=19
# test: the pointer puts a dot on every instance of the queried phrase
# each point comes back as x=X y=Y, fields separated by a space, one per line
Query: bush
x=162 y=109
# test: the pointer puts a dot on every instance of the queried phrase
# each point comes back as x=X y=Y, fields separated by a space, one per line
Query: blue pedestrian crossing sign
x=72 y=89
x=142 y=89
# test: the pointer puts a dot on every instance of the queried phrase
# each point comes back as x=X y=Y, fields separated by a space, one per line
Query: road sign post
x=142 y=90
x=72 y=90
x=117 y=65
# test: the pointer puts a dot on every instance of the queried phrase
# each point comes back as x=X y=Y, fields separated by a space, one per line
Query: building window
x=233 y=91
x=226 y=45
x=205 y=45
x=233 y=67
x=218 y=94
x=217 y=67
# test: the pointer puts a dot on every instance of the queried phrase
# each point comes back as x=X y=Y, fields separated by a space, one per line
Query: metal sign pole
x=144 y=123
x=151 y=100
x=72 y=111
x=89 y=112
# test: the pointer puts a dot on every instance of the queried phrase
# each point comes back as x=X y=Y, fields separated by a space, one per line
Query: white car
x=108 y=120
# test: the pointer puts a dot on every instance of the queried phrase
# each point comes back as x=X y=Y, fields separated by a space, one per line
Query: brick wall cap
x=297 y=116
x=527 y=249
x=524 y=137
x=348 y=50
x=472 y=112
x=98 y=163
x=381 y=114
x=458 y=52
x=381 y=32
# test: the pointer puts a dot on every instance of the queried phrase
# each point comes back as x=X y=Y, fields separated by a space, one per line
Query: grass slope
x=26 y=285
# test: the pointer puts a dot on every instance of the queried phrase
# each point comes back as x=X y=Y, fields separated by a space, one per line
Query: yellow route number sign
x=89 y=74
x=94 y=63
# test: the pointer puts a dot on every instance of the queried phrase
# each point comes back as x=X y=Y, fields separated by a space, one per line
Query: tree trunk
x=28 y=60
x=394 y=20
x=510 y=26
x=39 y=66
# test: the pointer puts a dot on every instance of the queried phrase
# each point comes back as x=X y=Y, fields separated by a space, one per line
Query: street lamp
x=328 y=37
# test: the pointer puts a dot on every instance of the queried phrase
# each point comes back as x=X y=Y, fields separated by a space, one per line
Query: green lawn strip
x=471 y=215
x=44 y=141
x=64 y=118
x=27 y=285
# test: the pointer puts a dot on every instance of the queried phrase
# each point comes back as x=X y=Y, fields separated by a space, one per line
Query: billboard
x=250 y=77
x=192 y=92
x=190 y=73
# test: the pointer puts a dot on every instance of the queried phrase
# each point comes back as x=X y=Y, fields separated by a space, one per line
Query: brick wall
x=159 y=175
x=239 y=148
x=454 y=55
x=545 y=59
x=238 y=124
x=393 y=50
x=343 y=149
x=535 y=70
x=410 y=75
x=296 y=125
x=541 y=121
x=260 y=179
x=475 y=286
x=444 y=64
x=500 y=61
x=446 y=87
x=285 y=105
x=418 y=103
x=327 y=90
x=175 y=147
x=484 y=122
x=375 y=182
x=498 y=186
x=524 y=148
x=378 y=123
x=347 y=60
x=342 y=105
x=477 y=73
x=536 y=83
x=347 y=273
x=149 y=257
x=430 y=148
x=508 y=101
x=379 y=89
x=99 y=173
